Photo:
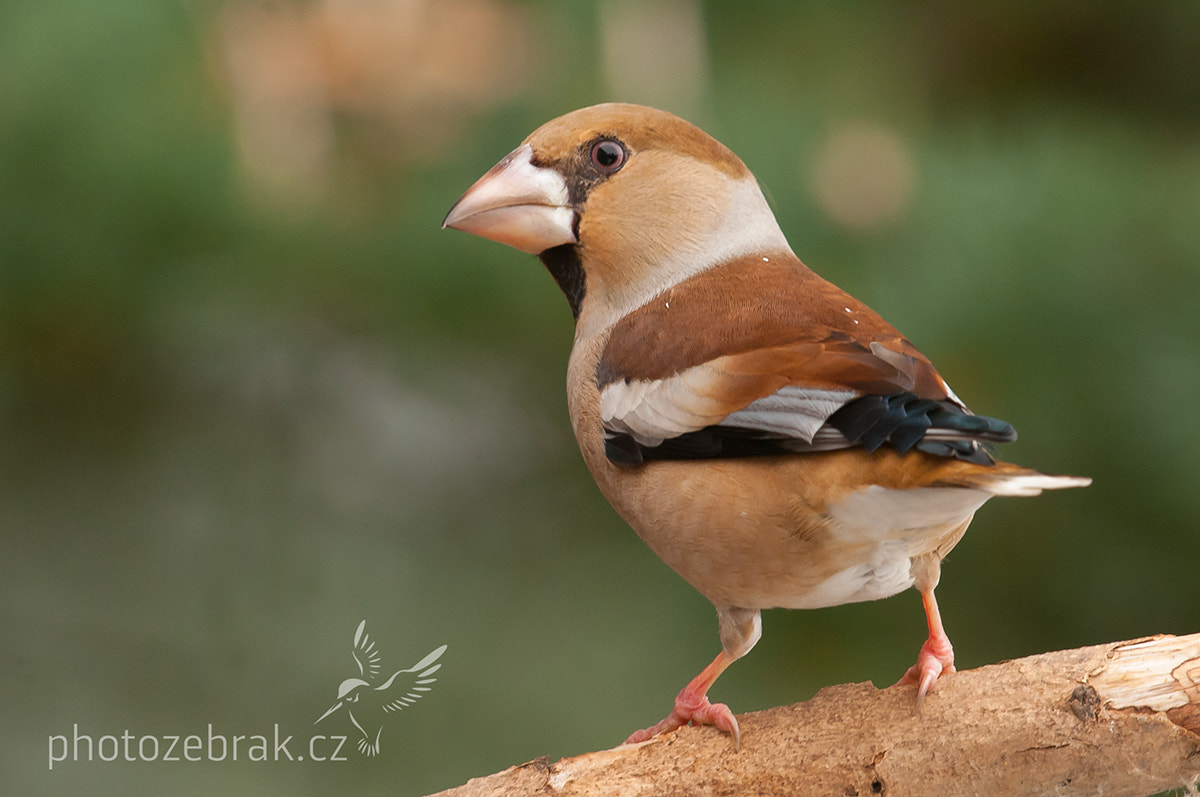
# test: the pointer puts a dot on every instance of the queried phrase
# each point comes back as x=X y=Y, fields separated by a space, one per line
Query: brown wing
x=759 y=343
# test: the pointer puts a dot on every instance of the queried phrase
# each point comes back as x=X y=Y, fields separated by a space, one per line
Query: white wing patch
x=792 y=411
x=653 y=411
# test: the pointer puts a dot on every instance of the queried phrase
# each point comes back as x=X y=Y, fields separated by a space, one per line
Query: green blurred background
x=250 y=394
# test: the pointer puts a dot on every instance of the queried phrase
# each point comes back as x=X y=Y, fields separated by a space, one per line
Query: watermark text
x=210 y=746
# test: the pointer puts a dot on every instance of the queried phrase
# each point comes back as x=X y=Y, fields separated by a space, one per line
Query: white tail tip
x=1034 y=483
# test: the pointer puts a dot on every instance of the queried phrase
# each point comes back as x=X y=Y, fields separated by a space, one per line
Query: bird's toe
x=935 y=660
x=692 y=710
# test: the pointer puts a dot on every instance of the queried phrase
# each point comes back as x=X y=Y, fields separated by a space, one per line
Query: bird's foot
x=935 y=660
x=692 y=708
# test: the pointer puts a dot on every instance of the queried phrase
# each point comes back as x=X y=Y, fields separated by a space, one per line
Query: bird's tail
x=1007 y=479
x=369 y=747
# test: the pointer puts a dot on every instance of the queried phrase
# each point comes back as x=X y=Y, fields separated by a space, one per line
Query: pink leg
x=692 y=706
x=937 y=655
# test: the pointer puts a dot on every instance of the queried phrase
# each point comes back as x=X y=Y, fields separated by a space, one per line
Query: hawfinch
x=769 y=436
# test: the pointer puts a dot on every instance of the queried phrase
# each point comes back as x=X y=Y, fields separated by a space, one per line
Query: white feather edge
x=1034 y=483
x=653 y=411
x=791 y=411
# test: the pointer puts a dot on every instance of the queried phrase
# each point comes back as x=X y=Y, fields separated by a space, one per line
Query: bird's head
x=350 y=688
x=348 y=693
x=620 y=201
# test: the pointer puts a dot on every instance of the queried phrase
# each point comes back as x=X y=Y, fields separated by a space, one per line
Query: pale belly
x=757 y=549
x=887 y=571
x=894 y=527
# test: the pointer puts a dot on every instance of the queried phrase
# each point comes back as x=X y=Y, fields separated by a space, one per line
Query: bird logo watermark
x=368 y=700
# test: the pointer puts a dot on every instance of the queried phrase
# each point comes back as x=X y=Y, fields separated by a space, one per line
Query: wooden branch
x=1121 y=718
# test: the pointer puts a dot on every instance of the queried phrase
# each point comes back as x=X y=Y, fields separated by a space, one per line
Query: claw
x=928 y=677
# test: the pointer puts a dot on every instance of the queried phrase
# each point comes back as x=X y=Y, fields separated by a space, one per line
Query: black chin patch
x=564 y=265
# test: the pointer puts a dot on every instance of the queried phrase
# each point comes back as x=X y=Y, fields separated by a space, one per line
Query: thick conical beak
x=518 y=204
x=332 y=709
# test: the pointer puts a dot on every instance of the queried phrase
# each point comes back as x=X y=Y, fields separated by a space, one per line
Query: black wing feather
x=902 y=420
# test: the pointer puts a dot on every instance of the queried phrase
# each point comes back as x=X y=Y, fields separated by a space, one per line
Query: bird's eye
x=607 y=155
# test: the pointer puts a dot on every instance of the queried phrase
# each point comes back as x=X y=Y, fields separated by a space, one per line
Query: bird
x=767 y=435
x=372 y=701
